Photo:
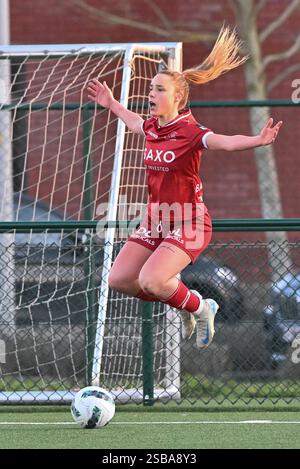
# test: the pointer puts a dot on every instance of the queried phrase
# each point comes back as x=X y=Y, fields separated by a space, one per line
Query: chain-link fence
x=48 y=340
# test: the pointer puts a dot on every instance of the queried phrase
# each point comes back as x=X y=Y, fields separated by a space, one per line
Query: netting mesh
x=52 y=128
x=64 y=152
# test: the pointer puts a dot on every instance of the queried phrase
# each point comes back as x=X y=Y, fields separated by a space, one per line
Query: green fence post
x=148 y=351
x=89 y=264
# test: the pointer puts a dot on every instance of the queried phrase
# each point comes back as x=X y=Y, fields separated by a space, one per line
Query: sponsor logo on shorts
x=144 y=235
x=176 y=235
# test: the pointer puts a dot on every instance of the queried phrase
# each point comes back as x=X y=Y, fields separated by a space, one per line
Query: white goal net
x=66 y=164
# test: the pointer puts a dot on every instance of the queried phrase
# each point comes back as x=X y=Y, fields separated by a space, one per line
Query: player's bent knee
x=119 y=284
x=115 y=282
x=149 y=285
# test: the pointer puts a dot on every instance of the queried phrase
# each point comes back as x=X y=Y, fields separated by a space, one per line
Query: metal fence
x=47 y=338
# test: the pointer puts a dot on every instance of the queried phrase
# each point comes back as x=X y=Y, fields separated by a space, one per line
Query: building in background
x=230 y=180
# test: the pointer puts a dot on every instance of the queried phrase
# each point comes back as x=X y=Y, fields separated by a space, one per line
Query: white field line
x=199 y=422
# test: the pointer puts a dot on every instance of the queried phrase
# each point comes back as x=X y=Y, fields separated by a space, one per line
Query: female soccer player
x=177 y=227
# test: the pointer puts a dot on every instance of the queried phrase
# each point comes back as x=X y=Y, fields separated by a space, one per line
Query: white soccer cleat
x=205 y=323
x=188 y=320
x=188 y=323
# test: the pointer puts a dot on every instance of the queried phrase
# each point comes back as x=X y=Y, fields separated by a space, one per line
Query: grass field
x=152 y=430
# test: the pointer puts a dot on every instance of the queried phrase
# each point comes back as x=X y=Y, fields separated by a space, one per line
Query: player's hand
x=268 y=134
x=100 y=93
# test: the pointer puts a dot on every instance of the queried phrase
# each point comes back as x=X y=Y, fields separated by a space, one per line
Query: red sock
x=145 y=297
x=183 y=298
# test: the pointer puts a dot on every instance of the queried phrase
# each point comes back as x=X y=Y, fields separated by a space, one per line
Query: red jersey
x=172 y=158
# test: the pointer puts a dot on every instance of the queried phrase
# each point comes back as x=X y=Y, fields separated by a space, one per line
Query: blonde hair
x=223 y=57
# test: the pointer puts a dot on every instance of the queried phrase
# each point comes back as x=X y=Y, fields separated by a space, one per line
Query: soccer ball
x=93 y=407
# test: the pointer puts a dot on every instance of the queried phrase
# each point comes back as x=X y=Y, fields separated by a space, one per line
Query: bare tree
x=167 y=29
x=257 y=89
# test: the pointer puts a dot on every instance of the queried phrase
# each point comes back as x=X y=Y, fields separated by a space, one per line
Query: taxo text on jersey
x=159 y=156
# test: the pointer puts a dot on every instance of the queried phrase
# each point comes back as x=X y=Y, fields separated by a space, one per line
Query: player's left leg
x=158 y=275
x=158 y=278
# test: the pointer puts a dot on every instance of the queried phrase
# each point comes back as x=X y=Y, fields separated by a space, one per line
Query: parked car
x=214 y=279
x=282 y=318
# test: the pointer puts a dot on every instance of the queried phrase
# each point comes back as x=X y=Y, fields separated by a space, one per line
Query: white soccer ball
x=93 y=407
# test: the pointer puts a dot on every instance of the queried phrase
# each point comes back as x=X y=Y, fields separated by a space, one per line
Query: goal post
x=73 y=162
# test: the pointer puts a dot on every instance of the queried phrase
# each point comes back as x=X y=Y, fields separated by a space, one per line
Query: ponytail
x=223 y=57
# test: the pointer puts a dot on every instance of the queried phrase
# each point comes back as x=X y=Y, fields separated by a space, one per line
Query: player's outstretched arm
x=101 y=94
x=242 y=142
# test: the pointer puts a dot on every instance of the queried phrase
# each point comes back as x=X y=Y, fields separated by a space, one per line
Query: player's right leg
x=126 y=268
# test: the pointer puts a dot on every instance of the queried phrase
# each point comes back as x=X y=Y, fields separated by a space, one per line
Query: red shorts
x=192 y=236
